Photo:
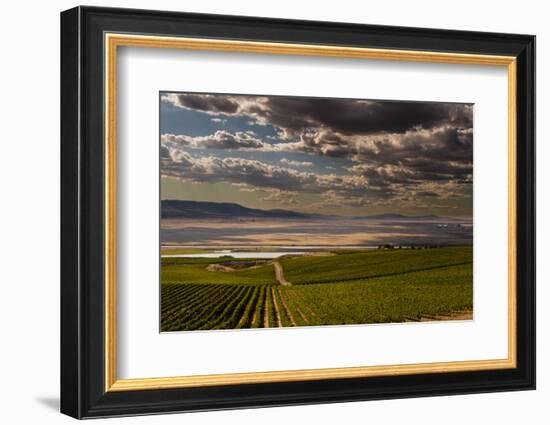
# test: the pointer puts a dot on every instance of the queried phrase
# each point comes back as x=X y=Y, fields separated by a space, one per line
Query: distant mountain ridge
x=199 y=209
x=227 y=210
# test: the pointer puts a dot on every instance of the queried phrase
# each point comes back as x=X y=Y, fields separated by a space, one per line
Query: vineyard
x=350 y=287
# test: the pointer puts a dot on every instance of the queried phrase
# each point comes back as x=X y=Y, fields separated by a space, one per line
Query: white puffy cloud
x=248 y=174
x=221 y=139
x=294 y=163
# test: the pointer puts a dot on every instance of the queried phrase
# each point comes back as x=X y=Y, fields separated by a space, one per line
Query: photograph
x=280 y=211
x=287 y=210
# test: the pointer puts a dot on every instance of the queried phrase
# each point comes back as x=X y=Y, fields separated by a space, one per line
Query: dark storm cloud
x=442 y=155
x=359 y=117
x=294 y=115
x=207 y=103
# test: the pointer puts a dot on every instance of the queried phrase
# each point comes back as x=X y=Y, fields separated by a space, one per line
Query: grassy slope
x=193 y=270
x=307 y=270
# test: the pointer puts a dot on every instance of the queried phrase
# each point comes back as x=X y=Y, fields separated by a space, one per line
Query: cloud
x=285 y=185
x=295 y=115
x=212 y=104
x=281 y=197
x=426 y=155
x=411 y=153
x=221 y=139
x=249 y=173
x=439 y=154
x=294 y=163
x=392 y=139
x=218 y=120
x=334 y=199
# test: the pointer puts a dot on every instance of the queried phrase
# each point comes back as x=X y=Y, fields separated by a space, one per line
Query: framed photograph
x=261 y=212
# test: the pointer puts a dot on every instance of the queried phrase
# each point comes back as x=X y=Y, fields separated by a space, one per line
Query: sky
x=349 y=157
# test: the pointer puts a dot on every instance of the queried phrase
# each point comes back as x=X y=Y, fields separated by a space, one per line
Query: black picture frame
x=83 y=392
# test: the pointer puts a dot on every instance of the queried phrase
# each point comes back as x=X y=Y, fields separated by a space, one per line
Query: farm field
x=339 y=287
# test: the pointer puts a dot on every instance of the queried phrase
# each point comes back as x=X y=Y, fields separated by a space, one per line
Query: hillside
x=228 y=210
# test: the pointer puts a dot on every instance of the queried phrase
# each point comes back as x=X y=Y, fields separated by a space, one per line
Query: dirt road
x=279 y=274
